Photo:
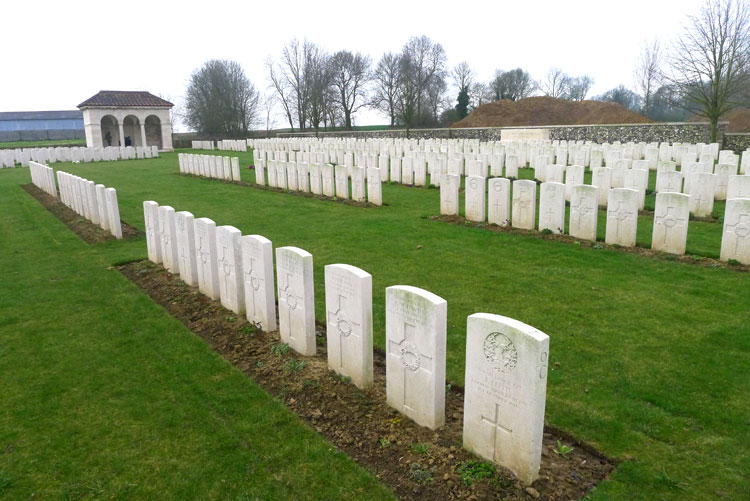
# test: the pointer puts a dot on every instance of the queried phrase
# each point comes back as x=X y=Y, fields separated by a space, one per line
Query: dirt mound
x=544 y=110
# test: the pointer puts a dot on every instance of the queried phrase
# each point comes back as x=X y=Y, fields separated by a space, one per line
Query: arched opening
x=132 y=130
x=110 y=131
x=153 y=131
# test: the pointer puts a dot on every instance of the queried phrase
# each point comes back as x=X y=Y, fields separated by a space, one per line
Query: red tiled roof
x=125 y=99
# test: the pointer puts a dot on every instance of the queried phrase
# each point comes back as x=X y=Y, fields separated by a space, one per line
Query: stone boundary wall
x=682 y=132
x=737 y=141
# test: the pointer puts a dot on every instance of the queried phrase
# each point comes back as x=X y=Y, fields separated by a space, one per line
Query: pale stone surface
x=420 y=171
x=499 y=201
x=358 y=184
x=622 y=217
x=415 y=331
x=101 y=200
x=722 y=172
x=90 y=188
x=449 y=185
x=374 y=186
x=291 y=176
x=735 y=238
x=235 y=169
x=554 y=173
x=395 y=168
x=184 y=222
x=316 y=182
x=342 y=181
x=294 y=278
x=584 y=212
x=668 y=180
x=407 y=173
x=281 y=173
x=327 y=180
x=475 y=198
x=168 y=239
x=637 y=179
x=671 y=216
x=303 y=177
x=574 y=175
x=552 y=207
x=231 y=287
x=153 y=235
x=511 y=166
x=601 y=177
x=524 y=204
x=205 y=255
x=113 y=210
x=257 y=268
x=505 y=393
x=617 y=177
x=226 y=171
x=702 y=194
x=349 y=322
x=738 y=187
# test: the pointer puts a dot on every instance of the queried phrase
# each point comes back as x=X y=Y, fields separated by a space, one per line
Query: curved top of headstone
x=359 y=272
x=533 y=332
x=429 y=296
x=294 y=250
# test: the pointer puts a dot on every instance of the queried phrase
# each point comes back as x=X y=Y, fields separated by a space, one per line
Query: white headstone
x=552 y=207
x=622 y=217
x=671 y=216
x=601 y=177
x=524 y=204
x=294 y=278
x=499 y=201
x=374 y=186
x=702 y=194
x=449 y=184
x=349 y=322
x=205 y=254
x=415 y=331
x=184 y=222
x=475 y=198
x=257 y=266
x=735 y=238
x=584 y=212
x=738 y=187
x=231 y=287
x=506 y=386
x=168 y=239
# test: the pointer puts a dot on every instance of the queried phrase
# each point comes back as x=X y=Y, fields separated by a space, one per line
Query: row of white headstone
x=325 y=179
x=671 y=215
x=9 y=158
x=43 y=177
x=588 y=154
x=210 y=166
x=203 y=145
x=232 y=144
x=506 y=360
x=96 y=203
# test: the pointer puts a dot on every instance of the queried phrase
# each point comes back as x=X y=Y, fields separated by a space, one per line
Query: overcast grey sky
x=57 y=54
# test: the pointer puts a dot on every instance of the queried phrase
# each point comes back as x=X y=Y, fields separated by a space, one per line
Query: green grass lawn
x=40 y=144
x=648 y=357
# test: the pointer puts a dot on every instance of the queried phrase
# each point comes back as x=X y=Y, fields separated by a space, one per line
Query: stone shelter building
x=127 y=118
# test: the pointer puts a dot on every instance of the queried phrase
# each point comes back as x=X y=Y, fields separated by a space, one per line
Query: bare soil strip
x=414 y=462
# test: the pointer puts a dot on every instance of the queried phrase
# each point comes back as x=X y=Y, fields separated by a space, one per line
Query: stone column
x=122 y=133
x=143 y=134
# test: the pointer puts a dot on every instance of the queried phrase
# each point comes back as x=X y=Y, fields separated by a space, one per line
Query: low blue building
x=41 y=125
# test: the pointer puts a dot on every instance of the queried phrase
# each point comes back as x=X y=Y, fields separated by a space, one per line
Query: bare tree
x=284 y=91
x=350 y=73
x=221 y=100
x=648 y=73
x=709 y=64
x=480 y=93
x=269 y=103
x=386 y=80
x=579 y=87
x=318 y=73
x=463 y=76
x=556 y=83
x=422 y=61
x=514 y=84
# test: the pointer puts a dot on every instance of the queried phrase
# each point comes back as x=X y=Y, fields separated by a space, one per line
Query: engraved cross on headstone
x=411 y=359
x=496 y=426
x=252 y=279
x=344 y=325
